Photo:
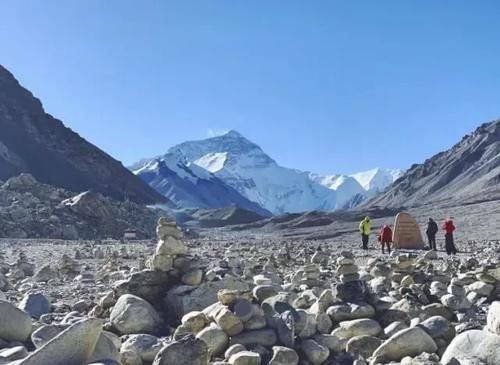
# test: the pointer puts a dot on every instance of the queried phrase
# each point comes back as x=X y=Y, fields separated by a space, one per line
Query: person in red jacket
x=449 y=228
x=385 y=238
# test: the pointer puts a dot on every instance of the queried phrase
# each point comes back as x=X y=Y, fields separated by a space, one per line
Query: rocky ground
x=30 y=209
x=218 y=300
x=475 y=223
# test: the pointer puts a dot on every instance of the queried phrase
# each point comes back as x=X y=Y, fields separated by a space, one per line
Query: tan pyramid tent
x=406 y=233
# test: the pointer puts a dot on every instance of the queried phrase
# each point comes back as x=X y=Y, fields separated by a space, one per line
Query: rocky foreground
x=201 y=302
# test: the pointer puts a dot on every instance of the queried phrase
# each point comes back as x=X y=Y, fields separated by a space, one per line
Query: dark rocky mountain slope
x=469 y=172
x=32 y=141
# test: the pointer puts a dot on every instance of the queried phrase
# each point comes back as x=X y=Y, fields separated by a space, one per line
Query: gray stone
x=363 y=345
x=357 y=327
x=350 y=311
x=46 y=333
x=105 y=348
x=408 y=342
x=243 y=309
x=187 y=351
x=479 y=346
x=229 y=322
x=393 y=328
x=130 y=358
x=132 y=314
x=331 y=342
x=193 y=277
x=146 y=346
x=73 y=346
x=455 y=302
x=493 y=318
x=195 y=321
x=15 y=323
x=35 y=304
x=284 y=356
x=314 y=352
x=215 y=338
x=438 y=327
x=481 y=288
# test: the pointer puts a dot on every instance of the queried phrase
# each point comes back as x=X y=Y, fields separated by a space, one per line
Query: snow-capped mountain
x=353 y=189
x=377 y=180
x=245 y=167
x=191 y=186
x=345 y=186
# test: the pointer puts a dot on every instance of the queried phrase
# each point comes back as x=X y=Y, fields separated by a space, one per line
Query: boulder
x=73 y=346
x=438 y=327
x=35 y=304
x=215 y=338
x=146 y=346
x=187 y=351
x=314 y=352
x=132 y=314
x=473 y=347
x=350 y=311
x=15 y=323
x=130 y=358
x=192 y=277
x=481 y=288
x=195 y=321
x=357 y=327
x=229 y=322
x=493 y=318
x=408 y=342
x=105 y=348
x=284 y=356
x=363 y=345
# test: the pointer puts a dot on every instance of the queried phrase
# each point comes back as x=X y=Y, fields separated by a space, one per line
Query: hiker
x=365 y=228
x=449 y=228
x=385 y=238
x=432 y=229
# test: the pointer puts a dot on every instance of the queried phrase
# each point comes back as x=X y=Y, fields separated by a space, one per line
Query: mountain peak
x=233 y=133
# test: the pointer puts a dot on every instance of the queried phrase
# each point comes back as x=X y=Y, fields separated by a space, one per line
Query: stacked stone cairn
x=169 y=245
x=347 y=270
x=68 y=267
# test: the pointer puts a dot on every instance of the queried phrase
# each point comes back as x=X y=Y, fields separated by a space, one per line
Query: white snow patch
x=212 y=162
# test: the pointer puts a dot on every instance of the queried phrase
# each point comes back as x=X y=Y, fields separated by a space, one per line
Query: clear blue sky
x=327 y=86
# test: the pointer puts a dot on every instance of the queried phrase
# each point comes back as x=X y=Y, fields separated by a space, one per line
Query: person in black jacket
x=432 y=229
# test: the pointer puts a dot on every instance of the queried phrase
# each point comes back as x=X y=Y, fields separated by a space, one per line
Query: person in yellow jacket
x=365 y=228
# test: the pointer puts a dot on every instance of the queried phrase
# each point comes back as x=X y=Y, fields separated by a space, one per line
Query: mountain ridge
x=243 y=165
x=190 y=186
x=33 y=141
x=469 y=171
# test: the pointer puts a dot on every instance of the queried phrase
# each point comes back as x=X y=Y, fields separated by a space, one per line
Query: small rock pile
x=169 y=245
